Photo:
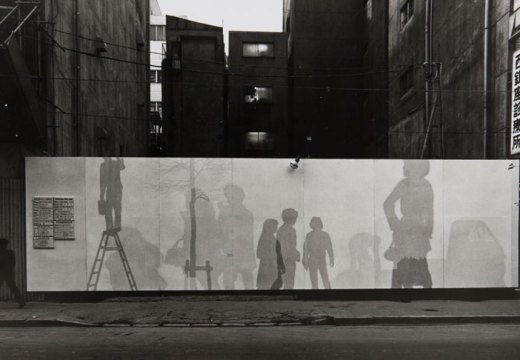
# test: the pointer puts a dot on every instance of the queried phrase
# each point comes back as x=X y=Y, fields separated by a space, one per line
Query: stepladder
x=110 y=241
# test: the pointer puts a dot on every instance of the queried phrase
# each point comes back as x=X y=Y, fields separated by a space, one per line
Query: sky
x=242 y=15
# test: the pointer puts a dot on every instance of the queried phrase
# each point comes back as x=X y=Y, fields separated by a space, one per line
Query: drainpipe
x=427 y=64
x=76 y=78
x=485 y=120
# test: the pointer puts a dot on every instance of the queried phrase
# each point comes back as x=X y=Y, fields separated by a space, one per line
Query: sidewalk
x=255 y=311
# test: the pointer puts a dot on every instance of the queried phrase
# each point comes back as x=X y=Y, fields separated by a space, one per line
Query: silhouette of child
x=317 y=244
x=269 y=253
x=287 y=237
x=413 y=231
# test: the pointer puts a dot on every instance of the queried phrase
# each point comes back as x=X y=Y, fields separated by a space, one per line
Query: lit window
x=258 y=141
x=257 y=50
x=258 y=95
x=406 y=12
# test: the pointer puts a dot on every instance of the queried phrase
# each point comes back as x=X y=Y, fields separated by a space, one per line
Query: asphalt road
x=313 y=342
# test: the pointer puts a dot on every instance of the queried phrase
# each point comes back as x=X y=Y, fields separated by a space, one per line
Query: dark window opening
x=157 y=33
x=156 y=108
x=407 y=11
x=155 y=76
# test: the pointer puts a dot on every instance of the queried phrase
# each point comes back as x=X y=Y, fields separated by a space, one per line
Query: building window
x=258 y=95
x=158 y=33
x=261 y=50
x=407 y=11
x=155 y=76
x=258 y=141
x=515 y=4
x=406 y=81
x=156 y=108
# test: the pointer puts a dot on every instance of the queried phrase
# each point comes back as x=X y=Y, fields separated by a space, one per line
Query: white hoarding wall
x=257 y=224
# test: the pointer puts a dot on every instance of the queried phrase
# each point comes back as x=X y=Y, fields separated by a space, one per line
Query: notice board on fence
x=53 y=219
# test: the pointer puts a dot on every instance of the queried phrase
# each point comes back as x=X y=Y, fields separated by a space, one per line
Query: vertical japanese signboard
x=64 y=218
x=515 y=105
x=43 y=223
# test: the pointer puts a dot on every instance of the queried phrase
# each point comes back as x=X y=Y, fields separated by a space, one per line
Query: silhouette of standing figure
x=287 y=237
x=7 y=262
x=236 y=223
x=270 y=255
x=413 y=231
x=111 y=190
x=317 y=244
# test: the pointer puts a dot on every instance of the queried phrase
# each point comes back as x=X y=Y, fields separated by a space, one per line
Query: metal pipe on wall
x=485 y=120
x=76 y=78
x=427 y=63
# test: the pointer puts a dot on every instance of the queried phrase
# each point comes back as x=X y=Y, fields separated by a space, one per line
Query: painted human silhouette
x=475 y=257
x=315 y=248
x=111 y=190
x=365 y=262
x=287 y=236
x=7 y=263
x=413 y=231
x=236 y=223
x=269 y=253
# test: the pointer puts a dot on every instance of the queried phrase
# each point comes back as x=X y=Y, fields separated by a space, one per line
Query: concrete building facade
x=157 y=53
x=193 y=89
x=325 y=68
x=74 y=82
x=374 y=130
x=258 y=95
x=448 y=79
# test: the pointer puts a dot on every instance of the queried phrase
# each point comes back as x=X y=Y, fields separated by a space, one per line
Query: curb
x=430 y=320
x=44 y=323
x=322 y=321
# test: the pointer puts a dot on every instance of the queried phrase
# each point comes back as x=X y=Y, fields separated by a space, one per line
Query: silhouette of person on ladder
x=111 y=191
x=109 y=205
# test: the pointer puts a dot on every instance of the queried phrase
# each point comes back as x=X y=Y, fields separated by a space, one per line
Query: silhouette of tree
x=182 y=176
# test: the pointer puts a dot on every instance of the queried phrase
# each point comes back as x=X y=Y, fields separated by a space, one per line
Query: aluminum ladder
x=100 y=258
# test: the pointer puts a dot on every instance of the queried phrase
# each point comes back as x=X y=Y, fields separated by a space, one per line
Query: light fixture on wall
x=294 y=163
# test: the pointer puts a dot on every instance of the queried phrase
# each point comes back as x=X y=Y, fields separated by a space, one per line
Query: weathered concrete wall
x=406 y=51
x=375 y=67
x=325 y=59
x=265 y=72
x=458 y=43
x=500 y=67
x=112 y=90
x=194 y=92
